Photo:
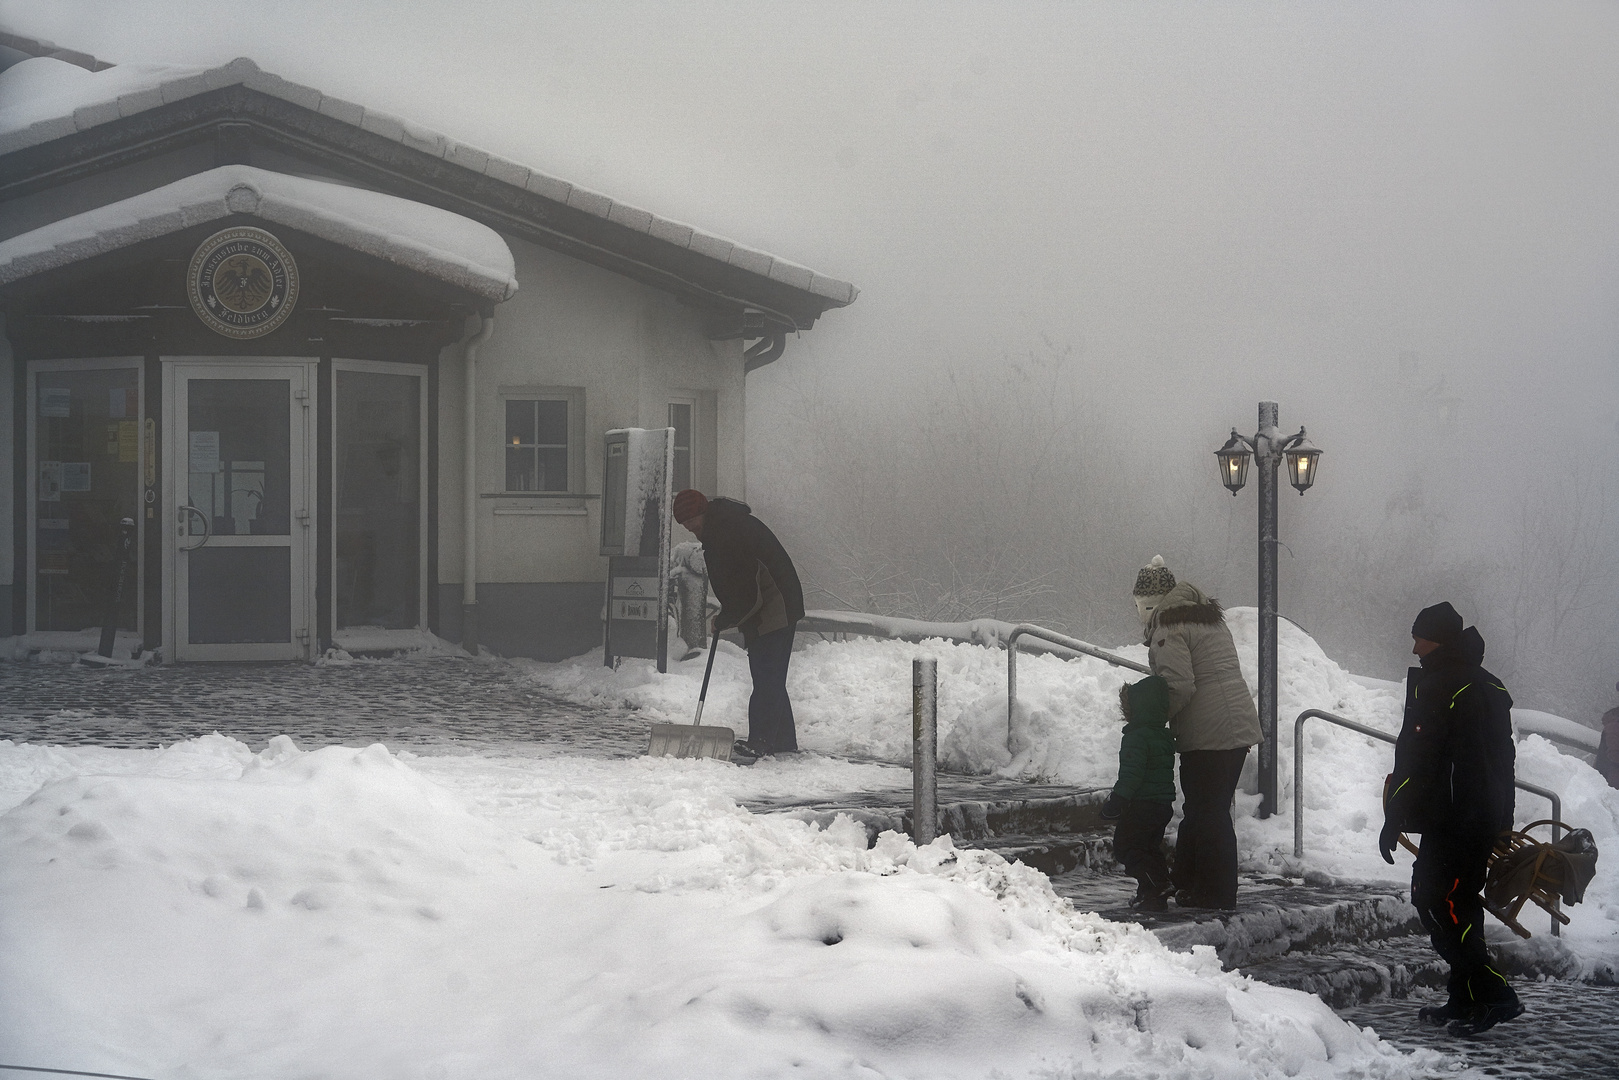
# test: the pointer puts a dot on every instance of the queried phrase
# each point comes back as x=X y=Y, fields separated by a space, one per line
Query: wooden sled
x=1539 y=876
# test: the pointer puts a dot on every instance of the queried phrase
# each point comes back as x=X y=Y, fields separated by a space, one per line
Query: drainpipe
x=764 y=351
x=469 y=494
x=767 y=350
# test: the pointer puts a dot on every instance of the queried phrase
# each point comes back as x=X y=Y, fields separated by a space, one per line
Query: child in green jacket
x=1143 y=799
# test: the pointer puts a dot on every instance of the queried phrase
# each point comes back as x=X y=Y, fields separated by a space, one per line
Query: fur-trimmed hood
x=1186 y=603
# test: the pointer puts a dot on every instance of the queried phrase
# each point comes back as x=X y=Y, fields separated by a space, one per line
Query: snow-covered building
x=334 y=366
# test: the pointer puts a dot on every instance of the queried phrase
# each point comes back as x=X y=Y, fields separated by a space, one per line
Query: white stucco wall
x=630 y=349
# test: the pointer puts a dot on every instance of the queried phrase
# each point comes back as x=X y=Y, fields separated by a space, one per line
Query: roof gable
x=89 y=126
x=421 y=238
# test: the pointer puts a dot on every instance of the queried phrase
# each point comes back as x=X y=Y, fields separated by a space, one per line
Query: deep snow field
x=204 y=911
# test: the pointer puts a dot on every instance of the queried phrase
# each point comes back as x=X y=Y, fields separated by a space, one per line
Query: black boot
x=1481 y=1018
x=1150 y=900
x=1440 y=1015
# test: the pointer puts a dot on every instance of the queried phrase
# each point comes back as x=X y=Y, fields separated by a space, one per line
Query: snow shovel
x=692 y=740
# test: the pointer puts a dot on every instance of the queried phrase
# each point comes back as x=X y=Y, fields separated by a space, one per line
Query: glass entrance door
x=85 y=452
x=379 y=497
x=239 y=498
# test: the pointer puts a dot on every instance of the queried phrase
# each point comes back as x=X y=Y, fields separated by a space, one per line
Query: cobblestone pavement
x=439 y=703
x=1568 y=1031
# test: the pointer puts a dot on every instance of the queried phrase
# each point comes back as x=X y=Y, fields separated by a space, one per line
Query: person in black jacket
x=759 y=594
x=1453 y=783
x=1607 y=762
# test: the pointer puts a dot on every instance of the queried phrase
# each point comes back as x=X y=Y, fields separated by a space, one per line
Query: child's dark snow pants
x=1138 y=843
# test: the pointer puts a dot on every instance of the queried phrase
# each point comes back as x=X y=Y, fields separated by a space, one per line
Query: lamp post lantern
x=1269 y=446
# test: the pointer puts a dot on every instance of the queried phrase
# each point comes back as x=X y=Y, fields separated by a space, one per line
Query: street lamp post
x=1269 y=446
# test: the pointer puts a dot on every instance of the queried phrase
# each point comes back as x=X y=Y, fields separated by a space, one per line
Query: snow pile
x=1557 y=728
x=66 y=646
x=854 y=697
x=204 y=910
x=208 y=911
x=381 y=641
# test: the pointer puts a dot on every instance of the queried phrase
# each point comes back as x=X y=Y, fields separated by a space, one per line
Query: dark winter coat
x=1607 y=761
x=1189 y=644
x=1453 y=761
x=1146 y=750
x=749 y=571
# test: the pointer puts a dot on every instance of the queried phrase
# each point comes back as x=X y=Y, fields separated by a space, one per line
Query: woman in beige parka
x=1213 y=721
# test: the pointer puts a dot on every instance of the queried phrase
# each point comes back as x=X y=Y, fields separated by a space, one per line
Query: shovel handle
x=702 y=695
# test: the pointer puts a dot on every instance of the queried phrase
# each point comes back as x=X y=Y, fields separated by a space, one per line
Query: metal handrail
x=1298 y=781
x=1074 y=644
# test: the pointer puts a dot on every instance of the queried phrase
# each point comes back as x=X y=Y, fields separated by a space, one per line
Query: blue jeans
x=770 y=713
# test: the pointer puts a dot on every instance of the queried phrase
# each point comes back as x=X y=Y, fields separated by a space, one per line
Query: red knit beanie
x=689 y=504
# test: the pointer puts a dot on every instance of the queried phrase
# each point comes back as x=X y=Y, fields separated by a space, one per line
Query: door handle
x=207 y=526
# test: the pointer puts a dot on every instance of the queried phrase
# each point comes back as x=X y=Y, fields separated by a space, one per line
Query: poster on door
x=51 y=553
x=129 y=441
x=50 y=481
x=204 y=452
x=55 y=401
x=75 y=476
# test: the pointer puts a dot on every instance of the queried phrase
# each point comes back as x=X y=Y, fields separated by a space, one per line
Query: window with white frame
x=541 y=440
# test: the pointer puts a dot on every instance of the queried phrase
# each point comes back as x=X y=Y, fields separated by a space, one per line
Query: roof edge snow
x=426 y=239
x=40 y=47
x=79 y=113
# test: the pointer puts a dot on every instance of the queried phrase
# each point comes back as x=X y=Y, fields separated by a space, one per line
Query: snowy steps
x=1350 y=943
x=971 y=809
x=1347 y=975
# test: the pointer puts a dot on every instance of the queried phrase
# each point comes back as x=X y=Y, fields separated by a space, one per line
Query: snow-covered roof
x=58 y=103
x=426 y=239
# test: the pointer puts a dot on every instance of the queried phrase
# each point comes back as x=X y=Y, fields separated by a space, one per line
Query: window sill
x=541 y=510
x=536 y=495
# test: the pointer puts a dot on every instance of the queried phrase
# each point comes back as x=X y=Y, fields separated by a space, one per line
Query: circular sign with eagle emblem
x=242 y=282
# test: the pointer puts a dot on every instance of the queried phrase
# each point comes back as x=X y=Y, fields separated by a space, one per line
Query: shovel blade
x=691 y=741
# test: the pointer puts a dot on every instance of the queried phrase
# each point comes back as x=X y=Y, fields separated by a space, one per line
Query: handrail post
x=924 y=749
x=1011 y=683
x=1298 y=785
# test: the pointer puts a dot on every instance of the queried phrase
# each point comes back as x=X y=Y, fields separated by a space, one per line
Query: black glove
x=1112 y=807
x=1387 y=841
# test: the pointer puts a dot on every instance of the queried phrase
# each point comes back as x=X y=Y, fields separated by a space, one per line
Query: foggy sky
x=1212 y=203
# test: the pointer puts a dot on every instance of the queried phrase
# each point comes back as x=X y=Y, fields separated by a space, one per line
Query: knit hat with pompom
x=1154 y=579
